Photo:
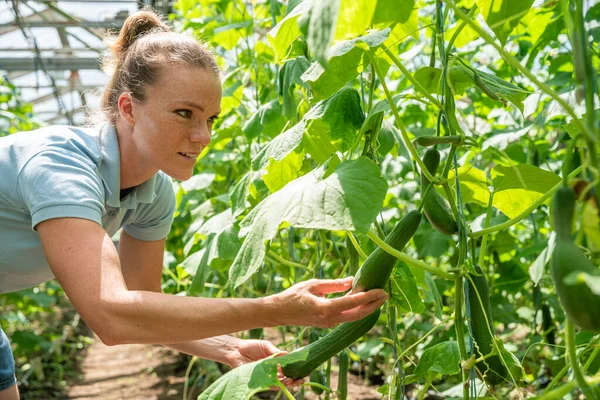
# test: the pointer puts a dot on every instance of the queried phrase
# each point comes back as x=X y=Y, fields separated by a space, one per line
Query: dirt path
x=132 y=372
x=147 y=372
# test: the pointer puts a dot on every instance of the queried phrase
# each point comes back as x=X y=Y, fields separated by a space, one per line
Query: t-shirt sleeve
x=152 y=221
x=57 y=184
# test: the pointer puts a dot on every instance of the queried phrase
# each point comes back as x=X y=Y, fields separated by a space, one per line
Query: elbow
x=109 y=325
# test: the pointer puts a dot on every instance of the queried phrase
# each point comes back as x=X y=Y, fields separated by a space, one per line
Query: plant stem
x=572 y=351
x=285 y=391
x=409 y=260
x=423 y=391
x=460 y=332
x=425 y=336
x=283 y=261
x=411 y=78
x=360 y=251
x=562 y=391
x=513 y=62
x=457 y=31
x=403 y=131
x=488 y=217
x=528 y=210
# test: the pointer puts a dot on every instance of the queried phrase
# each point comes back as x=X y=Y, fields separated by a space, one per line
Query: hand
x=245 y=351
x=305 y=304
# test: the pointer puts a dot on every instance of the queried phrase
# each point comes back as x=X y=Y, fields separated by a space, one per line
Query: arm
x=85 y=263
x=141 y=265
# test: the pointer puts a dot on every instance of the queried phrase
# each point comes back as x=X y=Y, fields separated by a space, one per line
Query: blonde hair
x=144 y=45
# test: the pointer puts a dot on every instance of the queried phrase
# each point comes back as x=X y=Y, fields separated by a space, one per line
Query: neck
x=134 y=170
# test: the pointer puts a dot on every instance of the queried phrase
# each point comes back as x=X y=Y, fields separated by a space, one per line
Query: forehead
x=177 y=83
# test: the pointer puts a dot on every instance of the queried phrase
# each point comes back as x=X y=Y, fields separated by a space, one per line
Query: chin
x=178 y=174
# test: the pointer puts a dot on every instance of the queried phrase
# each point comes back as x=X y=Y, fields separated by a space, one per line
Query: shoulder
x=163 y=189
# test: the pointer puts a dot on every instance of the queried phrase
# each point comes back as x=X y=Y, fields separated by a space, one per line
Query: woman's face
x=174 y=123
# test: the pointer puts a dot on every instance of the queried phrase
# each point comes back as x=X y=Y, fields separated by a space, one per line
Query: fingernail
x=382 y=295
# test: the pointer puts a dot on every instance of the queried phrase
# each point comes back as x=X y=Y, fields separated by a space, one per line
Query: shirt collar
x=110 y=169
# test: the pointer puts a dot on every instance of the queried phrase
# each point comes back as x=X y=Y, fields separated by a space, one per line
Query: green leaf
x=430 y=78
x=354 y=18
x=321 y=27
x=591 y=224
x=536 y=270
x=502 y=16
x=279 y=147
x=473 y=185
x=243 y=382
x=504 y=90
x=268 y=119
x=219 y=248
x=438 y=360
x=348 y=199
x=346 y=60
x=395 y=11
x=240 y=192
x=518 y=187
x=512 y=362
x=429 y=242
x=286 y=32
x=280 y=173
x=405 y=294
x=338 y=117
x=289 y=77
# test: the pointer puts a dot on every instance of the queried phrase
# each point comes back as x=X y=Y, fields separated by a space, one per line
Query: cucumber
x=317 y=376
x=343 y=362
x=302 y=362
x=376 y=270
x=581 y=305
x=435 y=206
x=427 y=141
x=491 y=369
x=548 y=324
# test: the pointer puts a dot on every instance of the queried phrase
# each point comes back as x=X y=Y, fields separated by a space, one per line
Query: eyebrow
x=194 y=105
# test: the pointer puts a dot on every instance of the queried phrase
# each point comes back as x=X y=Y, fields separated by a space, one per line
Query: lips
x=191 y=156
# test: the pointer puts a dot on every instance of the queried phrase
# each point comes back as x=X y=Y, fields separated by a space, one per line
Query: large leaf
x=405 y=294
x=536 y=270
x=279 y=147
x=438 y=360
x=243 y=382
x=338 y=117
x=347 y=199
x=503 y=90
x=286 y=32
x=321 y=27
x=473 y=185
x=199 y=181
x=268 y=119
x=289 y=77
x=502 y=16
x=430 y=78
x=280 y=173
x=346 y=60
x=518 y=187
x=354 y=18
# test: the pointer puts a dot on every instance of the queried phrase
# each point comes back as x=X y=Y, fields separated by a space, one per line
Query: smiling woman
x=65 y=191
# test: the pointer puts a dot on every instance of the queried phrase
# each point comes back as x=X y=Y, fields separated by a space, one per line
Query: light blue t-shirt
x=63 y=171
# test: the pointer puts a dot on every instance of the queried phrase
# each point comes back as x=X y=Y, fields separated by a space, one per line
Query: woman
x=65 y=191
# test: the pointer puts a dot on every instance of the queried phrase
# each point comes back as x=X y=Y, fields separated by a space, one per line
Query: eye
x=184 y=113
x=212 y=119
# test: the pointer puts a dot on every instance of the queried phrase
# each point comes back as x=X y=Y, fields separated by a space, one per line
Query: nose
x=201 y=134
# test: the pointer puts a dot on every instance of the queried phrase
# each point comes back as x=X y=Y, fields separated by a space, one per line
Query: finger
x=324 y=286
x=271 y=348
x=349 y=302
x=360 y=311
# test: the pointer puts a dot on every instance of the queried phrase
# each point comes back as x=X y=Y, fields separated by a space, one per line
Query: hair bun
x=136 y=25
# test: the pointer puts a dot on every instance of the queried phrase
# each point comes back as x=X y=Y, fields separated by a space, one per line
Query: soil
x=133 y=372
x=148 y=372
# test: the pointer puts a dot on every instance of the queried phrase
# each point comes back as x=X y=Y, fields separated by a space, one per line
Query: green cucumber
x=435 y=206
x=317 y=376
x=491 y=369
x=548 y=324
x=581 y=305
x=376 y=270
x=427 y=141
x=302 y=362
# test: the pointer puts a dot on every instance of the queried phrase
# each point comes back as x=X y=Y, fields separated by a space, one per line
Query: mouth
x=189 y=156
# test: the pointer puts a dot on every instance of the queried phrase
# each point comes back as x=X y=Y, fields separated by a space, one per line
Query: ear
x=126 y=105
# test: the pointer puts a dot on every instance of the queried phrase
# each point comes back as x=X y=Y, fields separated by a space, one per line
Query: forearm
x=215 y=348
x=157 y=318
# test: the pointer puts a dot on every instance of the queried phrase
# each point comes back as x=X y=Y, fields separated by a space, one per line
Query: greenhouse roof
x=51 y=51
